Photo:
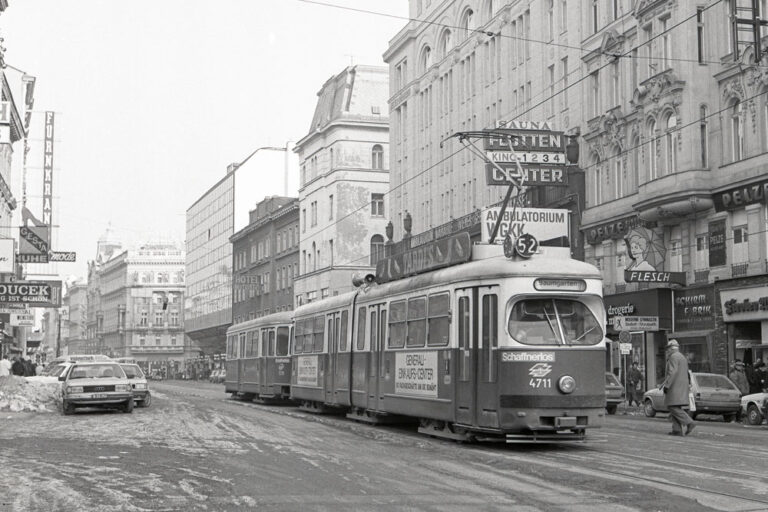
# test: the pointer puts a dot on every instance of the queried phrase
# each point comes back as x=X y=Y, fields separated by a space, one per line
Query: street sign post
x=636 y=323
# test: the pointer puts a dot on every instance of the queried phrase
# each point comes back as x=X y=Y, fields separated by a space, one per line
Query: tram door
x=241 y=361
x=488 y=337
x=377 y=327
x=466 y=385
x=332 y=332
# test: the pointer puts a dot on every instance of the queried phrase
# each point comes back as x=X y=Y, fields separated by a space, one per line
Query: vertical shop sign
x=717 y=243
x=48 y=171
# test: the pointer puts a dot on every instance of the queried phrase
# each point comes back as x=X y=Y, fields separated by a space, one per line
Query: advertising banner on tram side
x=548 y=225
x=416 y=373
x=306 y=374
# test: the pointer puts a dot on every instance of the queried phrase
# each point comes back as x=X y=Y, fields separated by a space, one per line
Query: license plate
x=99 y=395
x=565 y=421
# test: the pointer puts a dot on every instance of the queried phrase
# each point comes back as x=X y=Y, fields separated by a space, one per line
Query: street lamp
x=270 y=148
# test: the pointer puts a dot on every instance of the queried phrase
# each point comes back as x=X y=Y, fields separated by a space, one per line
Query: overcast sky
x=154 y=98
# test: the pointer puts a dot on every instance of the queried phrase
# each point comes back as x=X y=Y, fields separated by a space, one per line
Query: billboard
x=40 y=294
x=550 y=226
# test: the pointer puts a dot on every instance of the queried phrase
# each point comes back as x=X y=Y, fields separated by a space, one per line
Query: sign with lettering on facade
x=7 y=260
x=62 y=256
x=550 y=226
x=745 y=304
x=647 y=253
x=34 y=240
x=48 y=172
x=505 y=173
x=615 y=230
x=636 y=323
x=694 y=309
x=741 y=196
x=717 y=252
x=33 y=293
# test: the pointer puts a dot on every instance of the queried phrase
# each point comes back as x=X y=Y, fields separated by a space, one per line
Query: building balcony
x=739 y=269
x=674 y=195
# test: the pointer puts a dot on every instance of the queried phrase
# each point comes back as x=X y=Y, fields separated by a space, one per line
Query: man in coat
x=676 y=384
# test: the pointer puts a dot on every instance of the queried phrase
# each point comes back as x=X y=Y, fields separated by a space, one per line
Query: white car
x=753 y=408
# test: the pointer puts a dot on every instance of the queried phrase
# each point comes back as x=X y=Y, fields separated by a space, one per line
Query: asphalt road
x=195 y=449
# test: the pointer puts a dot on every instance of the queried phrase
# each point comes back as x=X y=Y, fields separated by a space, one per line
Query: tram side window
x=319 y=332
x=264 y=342
x=298 y=336
x=417 y=322
x=343 y=331
x=282 y=341
x=361 y=328
x=249 y=348
x=241 y=351
x=271 y=342
x=230 y=347
x=303 y=332
x=439 y=319
x=397 y=324
x=490 y=321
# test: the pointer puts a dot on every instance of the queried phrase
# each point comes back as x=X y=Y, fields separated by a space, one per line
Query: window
x=439 y=319
x=737 y=131
x=142 y=340
x=304 y=220
x=377 y=157
x=666 y=54
x=174 y=319
x=564 y=80
x=671 y=144
x=704 y=136
x=466 y=23
x=343 y=331
x=563 y=15
x=173 y=340
x=594 y=87
x=330 y=207
x=397 y=324
x=377 y=205
x=653 y=149
x=551 y=102
x=648 y=41
x=616 y=9
x=361 y=328
x=598 y=190
x=740 y=245
x=445 y=43
x=313 y=211
x=702 y=252
x=675 y=250
x=618 y=175
x=282 y=342
x=553 y=322
x=700 y=34
x=417 y=322
x=615 y=84
x=377 y=249
x=550 y=20
x=594 y=18
x=159 y=320
x=157 y=340
x=426 y=59
x=144 y=318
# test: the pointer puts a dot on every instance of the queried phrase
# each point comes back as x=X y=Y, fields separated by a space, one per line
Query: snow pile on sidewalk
x=19 y=394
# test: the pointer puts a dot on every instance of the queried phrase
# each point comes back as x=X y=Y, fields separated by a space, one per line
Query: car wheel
x=128 y=408
x=611 y=409
x=147 y=400
x=648 y=408
x=67 y=408
x=753 y=415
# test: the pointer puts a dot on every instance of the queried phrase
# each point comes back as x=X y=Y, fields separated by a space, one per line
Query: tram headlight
x=566 y=384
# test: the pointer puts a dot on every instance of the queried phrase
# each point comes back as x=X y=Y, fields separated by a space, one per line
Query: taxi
x=101 y=384
x=138 y=380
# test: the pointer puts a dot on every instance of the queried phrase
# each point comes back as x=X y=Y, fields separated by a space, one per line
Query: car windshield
x=553 y=322
x=714 y=381
x=133 y=372
x=611 y=380
x=57 y=370
x=97 y=371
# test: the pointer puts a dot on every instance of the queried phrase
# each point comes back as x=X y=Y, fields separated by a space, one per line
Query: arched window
x=377 y=157
x=466 y=24
x=377 y=249
x=446 y=43
x=737 y=131
x=653 y=148
x=426 y=58
x=671 y=146
x=704 y=135
x=619 y=179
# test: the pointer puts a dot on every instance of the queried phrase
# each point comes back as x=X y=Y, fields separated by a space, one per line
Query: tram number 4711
x=540 y=383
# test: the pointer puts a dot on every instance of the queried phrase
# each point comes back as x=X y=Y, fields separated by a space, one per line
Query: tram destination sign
x=445 y=252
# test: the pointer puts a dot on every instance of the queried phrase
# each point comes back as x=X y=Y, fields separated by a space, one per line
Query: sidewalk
x=637 y=411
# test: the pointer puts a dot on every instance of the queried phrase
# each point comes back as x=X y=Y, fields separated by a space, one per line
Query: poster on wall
x=717 y=243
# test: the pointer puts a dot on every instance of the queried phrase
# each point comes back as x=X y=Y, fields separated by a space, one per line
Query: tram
x=258 y=365
x=489 y=348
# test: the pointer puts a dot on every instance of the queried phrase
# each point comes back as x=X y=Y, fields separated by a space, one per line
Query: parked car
x=56 y=369
x=712 y=393
x=100 y=384
x=614 y=393
x=141 y=395
x=754 y=408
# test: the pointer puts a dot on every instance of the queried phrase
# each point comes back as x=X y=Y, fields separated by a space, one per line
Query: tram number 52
x=540 y=383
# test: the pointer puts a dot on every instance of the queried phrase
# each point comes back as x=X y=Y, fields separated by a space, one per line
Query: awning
x=747 y=343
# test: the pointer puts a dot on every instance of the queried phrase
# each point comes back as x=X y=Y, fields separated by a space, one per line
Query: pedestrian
x=17 y=368
x=29 y=370
x=5 y=366
x=635 y=392
x=39 y=368
x=738 y=376
x=676 y=389
x=761 y=376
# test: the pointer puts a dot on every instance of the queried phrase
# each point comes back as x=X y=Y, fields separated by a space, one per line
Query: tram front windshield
x=553 y=322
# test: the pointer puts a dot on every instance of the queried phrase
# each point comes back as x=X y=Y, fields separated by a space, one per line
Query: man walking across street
x=635 y=392
x=675 y=385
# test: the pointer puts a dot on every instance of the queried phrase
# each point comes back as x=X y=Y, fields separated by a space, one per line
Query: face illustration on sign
x=645 y=249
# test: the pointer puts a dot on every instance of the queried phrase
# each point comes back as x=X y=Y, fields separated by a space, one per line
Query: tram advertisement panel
x=416 y=373
x=306 y=374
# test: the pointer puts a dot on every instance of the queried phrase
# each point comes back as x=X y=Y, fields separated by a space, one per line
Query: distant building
x=344 y=181
x=73 y=331
x=266 y=259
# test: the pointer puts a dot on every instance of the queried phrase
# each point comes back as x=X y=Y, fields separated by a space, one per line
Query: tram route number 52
x=526 y=245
